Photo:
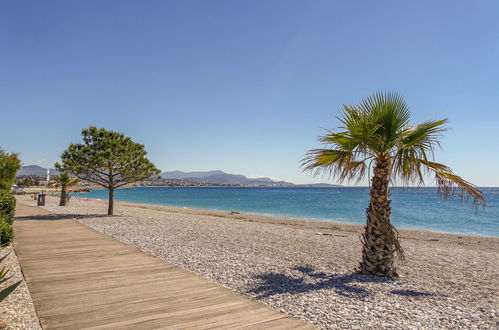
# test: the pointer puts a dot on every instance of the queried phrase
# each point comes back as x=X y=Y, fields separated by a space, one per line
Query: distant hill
x=179 y=175
x=35 y=170
x=220 y=177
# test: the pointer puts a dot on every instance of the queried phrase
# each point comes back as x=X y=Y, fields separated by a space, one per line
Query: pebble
x=17 y=310
x=285 y=264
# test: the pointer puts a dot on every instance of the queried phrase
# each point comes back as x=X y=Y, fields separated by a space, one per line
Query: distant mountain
x=221 y=177
x=179 y=175
x=35 y=170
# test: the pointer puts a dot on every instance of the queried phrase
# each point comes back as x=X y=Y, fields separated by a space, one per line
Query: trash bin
x=41 y=200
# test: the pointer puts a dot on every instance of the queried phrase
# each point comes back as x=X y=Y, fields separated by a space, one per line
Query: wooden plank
x=83 y=279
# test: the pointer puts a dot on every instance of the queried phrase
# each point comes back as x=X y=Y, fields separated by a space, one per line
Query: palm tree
x=64 y=181
x=377 y=132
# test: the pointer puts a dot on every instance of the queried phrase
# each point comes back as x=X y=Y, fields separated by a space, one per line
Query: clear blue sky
x=245 y=86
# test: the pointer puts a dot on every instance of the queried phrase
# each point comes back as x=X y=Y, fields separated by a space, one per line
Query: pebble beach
x=17 y=310
x=306 y=268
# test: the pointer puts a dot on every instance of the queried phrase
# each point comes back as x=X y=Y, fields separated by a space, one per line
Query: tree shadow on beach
x=310 y=280
x=56 y=217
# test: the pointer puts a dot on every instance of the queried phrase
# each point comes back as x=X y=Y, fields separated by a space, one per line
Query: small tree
x=378 y=132
x=64 y=181
x=28 y=182
x=107 y=158
x=9 y=164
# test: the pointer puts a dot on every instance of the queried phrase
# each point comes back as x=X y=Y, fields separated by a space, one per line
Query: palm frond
x=64 y=179
x=406 y=166
x=339 y=164
x=416 y=143
x=449 y=183
x=341 y=140
x=427 y=131
x=359 y=128
x=389 y=113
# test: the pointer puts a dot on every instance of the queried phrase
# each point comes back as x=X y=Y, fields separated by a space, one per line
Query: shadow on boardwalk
x=310 y=280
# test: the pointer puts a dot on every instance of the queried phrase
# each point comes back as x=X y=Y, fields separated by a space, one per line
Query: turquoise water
x=412 y=208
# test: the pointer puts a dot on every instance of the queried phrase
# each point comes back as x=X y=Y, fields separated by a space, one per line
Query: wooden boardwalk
x=82 y=279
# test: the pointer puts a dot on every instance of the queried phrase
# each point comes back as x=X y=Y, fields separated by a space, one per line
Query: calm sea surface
x=412 y=208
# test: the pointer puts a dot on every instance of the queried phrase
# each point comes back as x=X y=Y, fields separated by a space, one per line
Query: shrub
x=27 y=182
x=6 y=233
x=9 y=164
x=7 y=206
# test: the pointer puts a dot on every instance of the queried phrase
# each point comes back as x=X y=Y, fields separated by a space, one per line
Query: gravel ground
x=305 y=268
x=17 y=310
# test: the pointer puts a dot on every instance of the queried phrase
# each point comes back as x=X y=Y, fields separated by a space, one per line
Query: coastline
x=305 y=268
x=307 y=222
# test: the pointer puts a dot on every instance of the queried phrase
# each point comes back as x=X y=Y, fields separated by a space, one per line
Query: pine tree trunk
x=111 y=201
x=63 y=196
x=380 y=239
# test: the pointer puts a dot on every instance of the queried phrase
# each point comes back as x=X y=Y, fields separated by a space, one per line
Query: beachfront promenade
x=80 y=278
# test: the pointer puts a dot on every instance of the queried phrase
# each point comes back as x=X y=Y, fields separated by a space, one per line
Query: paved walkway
x=82 y=279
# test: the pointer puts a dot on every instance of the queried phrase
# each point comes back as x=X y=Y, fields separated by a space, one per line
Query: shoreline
x=351 y=227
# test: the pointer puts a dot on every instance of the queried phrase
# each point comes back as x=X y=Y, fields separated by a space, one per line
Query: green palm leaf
x=8 y=290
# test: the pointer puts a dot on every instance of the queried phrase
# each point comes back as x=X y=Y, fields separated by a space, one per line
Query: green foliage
x=9 y=164
x=4 y=293
x=28 y=181
x=3 y=278
x=6 y=233
x=7 y=211
x=7 y=206
x=107 y=158
x=64 y=180
x=379 y=127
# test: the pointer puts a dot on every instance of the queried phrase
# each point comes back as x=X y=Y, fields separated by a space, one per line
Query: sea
x=412 y=208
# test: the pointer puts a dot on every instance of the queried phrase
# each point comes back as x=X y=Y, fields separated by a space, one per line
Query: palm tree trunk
x=111 y=201
x=380 y=239
x=63 y=196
